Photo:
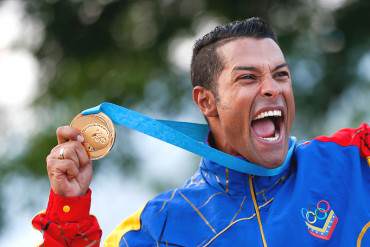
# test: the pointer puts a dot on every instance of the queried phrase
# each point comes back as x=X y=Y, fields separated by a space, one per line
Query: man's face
x=255 y=102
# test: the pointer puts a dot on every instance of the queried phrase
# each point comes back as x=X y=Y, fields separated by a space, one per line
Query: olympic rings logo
x=320 y=213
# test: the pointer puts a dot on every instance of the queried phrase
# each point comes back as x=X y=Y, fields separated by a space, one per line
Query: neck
x=217 y=139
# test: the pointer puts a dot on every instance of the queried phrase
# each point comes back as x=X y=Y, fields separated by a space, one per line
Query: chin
x=271 y=162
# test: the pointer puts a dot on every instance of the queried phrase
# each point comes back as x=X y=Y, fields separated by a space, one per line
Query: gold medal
x=98 y=132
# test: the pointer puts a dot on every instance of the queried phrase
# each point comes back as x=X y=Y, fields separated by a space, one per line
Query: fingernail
x=80 y=138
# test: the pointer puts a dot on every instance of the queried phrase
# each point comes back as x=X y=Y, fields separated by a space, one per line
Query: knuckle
x=49 y=164
x=70 y=165
x=67 y=153
x=73 y=144
x=77 y=146
x=67 y=163
x=59 y=130
x=48 y=158
x=54 y=149
x=69 y=148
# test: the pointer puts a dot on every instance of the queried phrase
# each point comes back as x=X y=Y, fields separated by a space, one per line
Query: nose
x=270 y=88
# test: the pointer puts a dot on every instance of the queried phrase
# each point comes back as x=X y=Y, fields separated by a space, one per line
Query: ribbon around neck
x=189 y=136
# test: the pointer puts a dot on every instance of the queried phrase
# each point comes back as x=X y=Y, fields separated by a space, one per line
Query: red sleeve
x=67 y=222
x=359 y=137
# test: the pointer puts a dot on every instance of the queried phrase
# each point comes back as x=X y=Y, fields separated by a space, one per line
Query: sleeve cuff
x=68 y=209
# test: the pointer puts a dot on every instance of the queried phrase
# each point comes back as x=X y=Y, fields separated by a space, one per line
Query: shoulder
x=357 y=138
x=344 y=151
x=349 y=136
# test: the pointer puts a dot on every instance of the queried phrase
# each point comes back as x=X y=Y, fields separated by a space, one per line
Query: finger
x=59 y=168
x=68 y=152
x=74 y=150
x=67 y=133
x=82 y=154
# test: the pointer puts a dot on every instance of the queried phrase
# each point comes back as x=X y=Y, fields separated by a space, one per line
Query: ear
x=205 y=100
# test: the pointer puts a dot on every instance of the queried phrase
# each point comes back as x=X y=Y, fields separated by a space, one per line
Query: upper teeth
x=268 y=114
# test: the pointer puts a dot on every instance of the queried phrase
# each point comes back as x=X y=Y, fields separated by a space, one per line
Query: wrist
x=62 y=189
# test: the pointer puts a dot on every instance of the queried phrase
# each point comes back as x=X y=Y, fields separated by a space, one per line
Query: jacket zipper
x=256 y=209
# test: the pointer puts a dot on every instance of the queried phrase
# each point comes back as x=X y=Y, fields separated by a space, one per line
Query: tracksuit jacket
x=321 y=199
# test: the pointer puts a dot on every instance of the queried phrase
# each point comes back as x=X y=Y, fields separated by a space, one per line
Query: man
x=242 y=84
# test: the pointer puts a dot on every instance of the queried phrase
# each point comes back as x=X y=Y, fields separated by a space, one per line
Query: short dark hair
x=206 y=65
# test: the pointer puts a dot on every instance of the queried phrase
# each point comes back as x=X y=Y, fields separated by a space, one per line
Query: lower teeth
x=271 y=138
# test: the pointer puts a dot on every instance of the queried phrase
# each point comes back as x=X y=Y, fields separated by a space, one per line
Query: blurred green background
x=60 y=57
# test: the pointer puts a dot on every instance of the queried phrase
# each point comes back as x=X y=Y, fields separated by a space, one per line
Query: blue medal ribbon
x=189 y=136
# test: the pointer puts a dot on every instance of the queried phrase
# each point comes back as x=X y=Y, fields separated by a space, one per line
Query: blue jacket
x=322 y=199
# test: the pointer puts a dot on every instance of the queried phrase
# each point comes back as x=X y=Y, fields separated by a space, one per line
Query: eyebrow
x=252 y=68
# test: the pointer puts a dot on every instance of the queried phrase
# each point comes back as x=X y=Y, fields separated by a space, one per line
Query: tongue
x=264 y=127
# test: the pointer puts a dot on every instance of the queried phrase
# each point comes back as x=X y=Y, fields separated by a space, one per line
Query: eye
x=281 y=75
x=247 y=77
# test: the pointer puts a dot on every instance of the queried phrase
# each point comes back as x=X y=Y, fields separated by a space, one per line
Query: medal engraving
x=98 y=132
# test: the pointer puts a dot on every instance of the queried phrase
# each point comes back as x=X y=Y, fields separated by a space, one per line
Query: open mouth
x=267 y=125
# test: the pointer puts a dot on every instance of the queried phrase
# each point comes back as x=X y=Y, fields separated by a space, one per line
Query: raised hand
x=68 y=164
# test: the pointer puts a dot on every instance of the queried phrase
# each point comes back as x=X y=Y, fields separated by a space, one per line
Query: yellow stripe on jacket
x=131 y=223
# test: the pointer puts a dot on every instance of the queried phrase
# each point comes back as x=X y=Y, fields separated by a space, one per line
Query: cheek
x=234 y=108
x=236 y=116
x=243 y=98
x=292 y=110
x=289 y=97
